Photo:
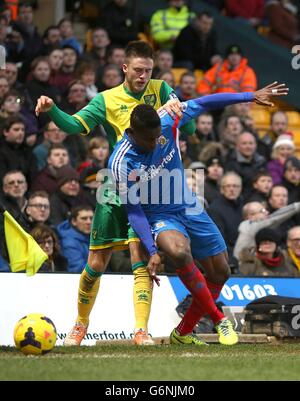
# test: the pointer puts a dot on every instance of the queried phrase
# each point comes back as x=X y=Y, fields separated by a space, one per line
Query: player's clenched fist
x=43 y=105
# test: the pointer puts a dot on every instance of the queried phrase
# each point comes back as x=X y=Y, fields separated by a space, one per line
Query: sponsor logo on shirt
x=152 y=171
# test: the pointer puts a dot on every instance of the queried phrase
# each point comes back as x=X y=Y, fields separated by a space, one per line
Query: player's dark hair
x=144 y=117
x=139 y=48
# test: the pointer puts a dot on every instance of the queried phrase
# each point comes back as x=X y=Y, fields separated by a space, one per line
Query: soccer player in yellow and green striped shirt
x=110 y=229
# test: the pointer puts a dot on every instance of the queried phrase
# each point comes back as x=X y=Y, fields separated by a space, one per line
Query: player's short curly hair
x=144 y=117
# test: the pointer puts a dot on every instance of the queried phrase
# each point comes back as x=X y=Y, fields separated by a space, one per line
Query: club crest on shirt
x=162 y=140
x=150 y=99
x=160 y=224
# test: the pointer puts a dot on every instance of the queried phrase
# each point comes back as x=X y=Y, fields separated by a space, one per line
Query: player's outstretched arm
x=64 y=121
x=263 y=96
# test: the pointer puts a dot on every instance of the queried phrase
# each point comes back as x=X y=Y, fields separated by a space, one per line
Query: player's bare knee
x=181 y=254
x=97 y=266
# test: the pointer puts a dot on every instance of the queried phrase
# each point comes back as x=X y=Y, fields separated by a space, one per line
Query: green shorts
x=110 y=228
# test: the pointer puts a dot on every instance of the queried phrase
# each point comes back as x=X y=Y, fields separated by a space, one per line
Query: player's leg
x=104 y=234
x=88 y=289
x=176 y=245
x=208 y=247
x=142 y=294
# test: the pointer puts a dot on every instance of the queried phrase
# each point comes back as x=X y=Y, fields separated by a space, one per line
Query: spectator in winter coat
x=291 y=178
x=74 y=237
x=46 y=180
x=261 y=186
x=245 y=161
x=256 y=217
x=283 y=148
x=267 y=258
x=68 y=195
x=231 y=75
x=4 y=266
x=226 y=211
x=284 y=28
x=14 y=153
x=293 y=250
x=166 y=24
x=196 y=45
x=52 y=136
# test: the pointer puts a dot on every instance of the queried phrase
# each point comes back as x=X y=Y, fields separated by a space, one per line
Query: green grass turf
x=165 y=362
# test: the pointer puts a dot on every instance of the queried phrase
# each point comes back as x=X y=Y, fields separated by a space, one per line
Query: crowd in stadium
x=48 y=178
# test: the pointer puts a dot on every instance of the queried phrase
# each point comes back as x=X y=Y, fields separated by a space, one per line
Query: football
x=35 y=334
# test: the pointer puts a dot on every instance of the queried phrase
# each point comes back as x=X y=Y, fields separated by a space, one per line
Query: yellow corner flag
x=24 y=252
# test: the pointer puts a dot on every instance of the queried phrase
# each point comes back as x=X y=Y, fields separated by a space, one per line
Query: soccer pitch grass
x=155 y=363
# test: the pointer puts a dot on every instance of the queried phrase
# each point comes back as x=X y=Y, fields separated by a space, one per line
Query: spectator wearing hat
x=278 y=126
x=196 y=44
x=266 y=259
x=74 y=234
x=90 y=184
x=291 y=178
x=231 y=75
x=293 y=250
x=67 y=196
x=214 y=172
x=283 y=148
x=245 y=161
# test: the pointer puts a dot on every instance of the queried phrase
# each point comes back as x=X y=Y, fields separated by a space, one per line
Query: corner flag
x=24 y=252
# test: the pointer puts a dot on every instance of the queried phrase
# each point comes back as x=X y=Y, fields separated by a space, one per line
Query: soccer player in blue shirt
x=139 y=165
